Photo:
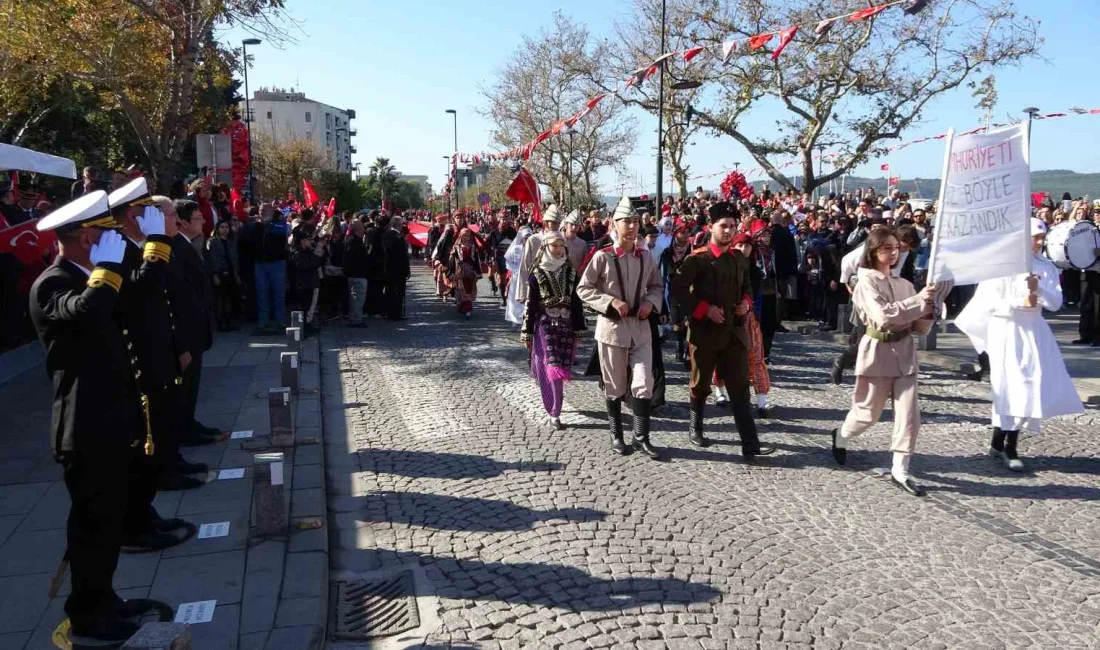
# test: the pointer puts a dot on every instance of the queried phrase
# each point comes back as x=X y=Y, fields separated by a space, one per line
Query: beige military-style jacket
x=889 y=304
x=577 y=249
x=600 y=285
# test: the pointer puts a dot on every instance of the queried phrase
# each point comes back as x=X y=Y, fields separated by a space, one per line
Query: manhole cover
x=368 y=609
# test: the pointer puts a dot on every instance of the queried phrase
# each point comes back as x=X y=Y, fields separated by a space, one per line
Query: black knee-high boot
x=998 y=442
x=641 y=429
x=615 y=422
x=746 y=430
x=695 y=427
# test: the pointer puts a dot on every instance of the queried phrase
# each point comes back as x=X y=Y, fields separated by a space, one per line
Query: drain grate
x=368 y=609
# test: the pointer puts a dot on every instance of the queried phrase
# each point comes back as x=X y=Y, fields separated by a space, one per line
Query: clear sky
x=401 y=64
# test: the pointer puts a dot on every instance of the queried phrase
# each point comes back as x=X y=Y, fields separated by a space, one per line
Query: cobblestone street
x=440 y=455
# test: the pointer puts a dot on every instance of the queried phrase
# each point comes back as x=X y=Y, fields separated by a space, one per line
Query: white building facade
x=421 y=182
x=281 y=114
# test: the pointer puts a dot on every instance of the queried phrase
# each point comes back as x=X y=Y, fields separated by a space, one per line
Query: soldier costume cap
x=722 y=210
x=92 y=210
x=553 y=213
x=134 y=193
x=573 y=218
x=624 y=210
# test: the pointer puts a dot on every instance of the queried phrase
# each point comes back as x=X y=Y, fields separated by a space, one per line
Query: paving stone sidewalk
x=440 y=457
x=272 y=594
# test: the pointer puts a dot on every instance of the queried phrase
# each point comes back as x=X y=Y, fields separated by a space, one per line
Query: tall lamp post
x=454 y=187
x=1031 y=113
x=248 y=115
x=448 y=159
x=660 y=117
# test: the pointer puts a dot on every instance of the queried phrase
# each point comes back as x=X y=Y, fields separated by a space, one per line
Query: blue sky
x=401 y=64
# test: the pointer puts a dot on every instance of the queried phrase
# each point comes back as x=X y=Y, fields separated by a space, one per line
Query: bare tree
x=860 y=84
x=280 y=164
x=541 y=85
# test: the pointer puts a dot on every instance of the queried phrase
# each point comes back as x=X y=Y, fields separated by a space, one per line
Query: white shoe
x=1012 y=464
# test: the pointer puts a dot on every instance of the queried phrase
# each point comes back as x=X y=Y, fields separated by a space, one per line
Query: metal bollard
x=269 y=502
x=288 y=364
x=161 y=636
x=297 y=319
x=281 y=412
x=294 y=338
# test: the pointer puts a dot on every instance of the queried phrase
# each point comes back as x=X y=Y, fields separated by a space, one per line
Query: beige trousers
x=869 y=399
x=617 y=364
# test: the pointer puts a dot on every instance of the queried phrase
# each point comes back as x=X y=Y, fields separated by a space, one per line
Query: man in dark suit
x=97 y=429
x=194 y=316
x=146 y=314
x=396 y=269
x=376 y=260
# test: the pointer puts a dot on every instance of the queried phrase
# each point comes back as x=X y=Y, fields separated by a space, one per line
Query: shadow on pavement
x=430 y=464
x=462 y=513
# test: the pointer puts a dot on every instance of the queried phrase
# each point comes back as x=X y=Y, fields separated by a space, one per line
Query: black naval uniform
x=192 y=298
x=145 y=313
x=97 y=426
x=715 y=276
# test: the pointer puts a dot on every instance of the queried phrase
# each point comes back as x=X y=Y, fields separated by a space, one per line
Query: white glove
x=110 y=248
x=151 y=221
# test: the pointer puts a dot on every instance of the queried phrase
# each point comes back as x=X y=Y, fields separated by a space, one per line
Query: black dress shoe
x=836 y=374
x=839 y=455
x=150 y=542
x=761 y=412
x=170 y=525
x=764 y=450
x=1081 y=342
x=185 y=467
x=908 y=486
x=176 y=482
x=102 y=630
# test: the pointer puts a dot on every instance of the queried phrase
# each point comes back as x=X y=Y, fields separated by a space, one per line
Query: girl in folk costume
x=671 y=259
x=465 y=271
x=1029 y=379
x=886 y=366
x=513 y=312
x=552 y=320
x=767 y=289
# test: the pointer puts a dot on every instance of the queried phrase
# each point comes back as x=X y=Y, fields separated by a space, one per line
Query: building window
x=269 y=115
x=309 y=116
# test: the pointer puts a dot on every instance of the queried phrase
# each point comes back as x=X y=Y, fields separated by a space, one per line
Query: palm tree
x=384 y=175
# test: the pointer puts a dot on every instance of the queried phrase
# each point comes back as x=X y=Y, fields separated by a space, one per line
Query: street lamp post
x=248 y=114
x=661 y=116
x=448 y=159
x=454 y=187
x=1031 y=113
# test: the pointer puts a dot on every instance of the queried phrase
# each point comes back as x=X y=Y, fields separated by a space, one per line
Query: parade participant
x=766 y=299
x=307 y=257
x=464 y=270
x=97 y=427
x=670 y=260
x=664 y=239
x=622 y=285
x=397 y=269
x=440 y=254
x=553 y=318
x=712 y=286
x=1026 y=372
x=575 y=247
x=886 y=366
x=758 y=370
x=550 y=222
x=513 y=312
x=500 y=240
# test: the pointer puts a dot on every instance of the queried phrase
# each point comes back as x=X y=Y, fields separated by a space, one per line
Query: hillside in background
x=1051 y=181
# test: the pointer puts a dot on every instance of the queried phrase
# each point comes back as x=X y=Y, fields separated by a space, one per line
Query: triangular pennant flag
x=727 y=50
x=863 y=14
x=557 y=127
x=693 y=52
x=822 y=29
x=540 y=138
x=760 y=40
x=785 y=37
x=581 y=113
x=651 y=71
x=595 y=100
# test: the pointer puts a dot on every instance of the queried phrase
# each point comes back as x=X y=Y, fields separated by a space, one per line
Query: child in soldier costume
x=621 y=283
x=712 y=286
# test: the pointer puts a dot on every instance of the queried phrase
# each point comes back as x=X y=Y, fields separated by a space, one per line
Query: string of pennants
x=637 y=77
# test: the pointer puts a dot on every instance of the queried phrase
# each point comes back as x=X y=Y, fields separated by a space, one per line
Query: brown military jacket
x=712 y=276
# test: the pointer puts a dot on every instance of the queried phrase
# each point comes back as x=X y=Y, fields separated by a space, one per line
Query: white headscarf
x=547 y=262
x=514 y=256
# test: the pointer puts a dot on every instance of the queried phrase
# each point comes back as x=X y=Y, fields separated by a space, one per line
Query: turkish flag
x=693 y=52
x=759 y=41
x=331 y=206
x=894 y=181
x=863 y=14
x=310 y=194
x=418 y=234
x=884 y=167
x=785 y=37
x=33 y=249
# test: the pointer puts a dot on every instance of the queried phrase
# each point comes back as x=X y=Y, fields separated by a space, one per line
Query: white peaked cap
x=82 y=210
x=574 y=217
x=624 y=210
x=130 y=193
x=553 y=213
x=1038 y=227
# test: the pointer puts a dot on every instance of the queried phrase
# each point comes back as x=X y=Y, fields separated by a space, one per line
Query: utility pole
x=661 y=114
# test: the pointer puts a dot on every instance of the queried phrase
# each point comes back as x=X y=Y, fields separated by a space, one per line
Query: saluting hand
x=151 y=221
x=110 y=248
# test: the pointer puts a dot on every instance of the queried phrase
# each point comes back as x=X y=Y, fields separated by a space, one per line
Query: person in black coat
x=396 y=269
x=193 y=312
x=376 y=260
x=356 y=272
x=145 y=315
x=307 y=258
x=785 y=252
x=96 y=431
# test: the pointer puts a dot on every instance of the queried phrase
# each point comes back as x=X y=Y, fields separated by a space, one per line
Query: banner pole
x=944 y=179
x=1025 y=146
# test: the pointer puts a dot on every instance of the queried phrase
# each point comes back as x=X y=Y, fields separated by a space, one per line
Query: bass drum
x=1073 y=244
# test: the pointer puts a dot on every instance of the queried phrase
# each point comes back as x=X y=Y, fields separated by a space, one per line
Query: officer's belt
x=887 y=337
